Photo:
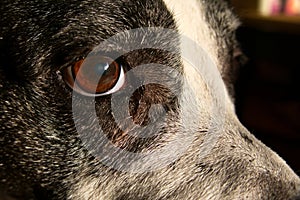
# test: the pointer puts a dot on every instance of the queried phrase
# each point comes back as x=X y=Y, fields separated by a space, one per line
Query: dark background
x=268 y=86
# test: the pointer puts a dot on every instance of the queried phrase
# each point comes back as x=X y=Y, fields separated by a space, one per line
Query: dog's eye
x=95 y=76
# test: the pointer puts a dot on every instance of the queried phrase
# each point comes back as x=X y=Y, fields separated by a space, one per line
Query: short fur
x=41 y=155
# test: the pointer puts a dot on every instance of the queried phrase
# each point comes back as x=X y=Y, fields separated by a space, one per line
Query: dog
x=123 y=99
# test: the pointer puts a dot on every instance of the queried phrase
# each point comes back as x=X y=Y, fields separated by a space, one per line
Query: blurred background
x=268 y=87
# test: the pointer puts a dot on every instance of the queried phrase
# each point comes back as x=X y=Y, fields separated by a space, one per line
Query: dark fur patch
x=39 y=144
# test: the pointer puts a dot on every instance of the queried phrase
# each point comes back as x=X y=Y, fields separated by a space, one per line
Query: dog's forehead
x=211 y=24
x=32 y=27
x=190 y=19
x=39 y=30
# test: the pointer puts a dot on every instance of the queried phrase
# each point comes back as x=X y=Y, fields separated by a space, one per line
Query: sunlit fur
x=41 y=154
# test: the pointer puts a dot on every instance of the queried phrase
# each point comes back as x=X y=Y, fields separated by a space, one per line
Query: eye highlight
x=95 y=76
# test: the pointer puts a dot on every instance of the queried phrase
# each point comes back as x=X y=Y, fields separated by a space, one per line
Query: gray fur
x=41 y=155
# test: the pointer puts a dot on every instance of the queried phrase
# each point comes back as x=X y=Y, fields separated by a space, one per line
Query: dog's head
x=127 y=100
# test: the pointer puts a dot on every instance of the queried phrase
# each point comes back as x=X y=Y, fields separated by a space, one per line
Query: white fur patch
x=190 y=20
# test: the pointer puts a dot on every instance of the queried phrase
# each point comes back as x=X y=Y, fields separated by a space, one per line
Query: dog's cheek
x=32 y=142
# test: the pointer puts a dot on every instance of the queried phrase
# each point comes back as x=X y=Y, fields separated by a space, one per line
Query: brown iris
x=94 y=75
